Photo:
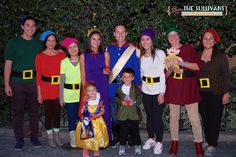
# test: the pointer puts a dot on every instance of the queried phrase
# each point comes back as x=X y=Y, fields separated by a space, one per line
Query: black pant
x=154 y=111
x=52 y=113
x=133 y=125
x=211 y=110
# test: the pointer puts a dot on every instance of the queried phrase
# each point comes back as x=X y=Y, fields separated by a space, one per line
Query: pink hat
x=67 y=41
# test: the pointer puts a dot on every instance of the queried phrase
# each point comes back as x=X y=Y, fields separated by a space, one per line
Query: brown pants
x=24 y=98
x=193 y=115
x=52 y=113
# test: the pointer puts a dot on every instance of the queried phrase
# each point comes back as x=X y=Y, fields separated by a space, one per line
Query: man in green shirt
x=19 y=79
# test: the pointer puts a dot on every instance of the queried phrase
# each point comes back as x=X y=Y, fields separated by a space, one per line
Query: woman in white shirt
x=153 y=89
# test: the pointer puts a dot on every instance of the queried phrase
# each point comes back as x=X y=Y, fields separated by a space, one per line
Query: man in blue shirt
x=122 y=55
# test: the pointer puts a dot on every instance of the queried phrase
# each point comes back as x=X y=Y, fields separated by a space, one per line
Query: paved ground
x=226 y=148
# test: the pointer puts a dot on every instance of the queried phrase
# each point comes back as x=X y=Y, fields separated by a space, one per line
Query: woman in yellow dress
x=91 y=132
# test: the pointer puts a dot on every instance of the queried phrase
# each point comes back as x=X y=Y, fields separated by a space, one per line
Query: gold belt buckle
x=151 y=82
x=204 y=82
x=178 y=76
x=55 y=79
x=74 y=85
x=25 y=72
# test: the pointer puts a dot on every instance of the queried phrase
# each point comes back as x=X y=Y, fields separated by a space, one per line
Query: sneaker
x=35 y=142
x=148 y=144
x=115 y=142
x=116 y=145
x=19 y=144
x=137 y=150
x=158 y=148
x=121 y=150
x=210 y=151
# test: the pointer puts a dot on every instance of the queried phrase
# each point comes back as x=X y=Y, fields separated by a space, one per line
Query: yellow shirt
x=72 y=76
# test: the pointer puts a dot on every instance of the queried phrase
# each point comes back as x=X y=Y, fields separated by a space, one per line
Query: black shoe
x=19 y=144
x=130 y=142
x=115 y=142
x=35 y=142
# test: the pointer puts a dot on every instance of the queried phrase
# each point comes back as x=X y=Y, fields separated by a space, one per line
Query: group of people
x=102 y=89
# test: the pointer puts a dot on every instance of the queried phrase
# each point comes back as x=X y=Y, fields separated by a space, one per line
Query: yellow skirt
x=100 y=138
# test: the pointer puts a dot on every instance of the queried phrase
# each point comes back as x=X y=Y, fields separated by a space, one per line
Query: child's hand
x=82 y=110
x=124 y=103
x=94 y=116
x=129 y=102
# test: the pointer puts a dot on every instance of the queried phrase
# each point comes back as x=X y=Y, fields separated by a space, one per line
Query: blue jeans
x=72 y=114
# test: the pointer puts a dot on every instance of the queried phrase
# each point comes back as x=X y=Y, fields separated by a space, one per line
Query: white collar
x=125 y=89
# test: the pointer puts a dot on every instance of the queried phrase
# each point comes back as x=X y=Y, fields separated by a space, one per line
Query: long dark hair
x=153 y=53
x=88 y=45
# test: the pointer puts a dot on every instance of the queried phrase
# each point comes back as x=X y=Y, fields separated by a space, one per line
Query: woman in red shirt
x=48 y=78
x=182 y=89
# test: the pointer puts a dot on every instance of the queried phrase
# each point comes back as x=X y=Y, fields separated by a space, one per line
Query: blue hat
x=45 y=34
x=149 y=32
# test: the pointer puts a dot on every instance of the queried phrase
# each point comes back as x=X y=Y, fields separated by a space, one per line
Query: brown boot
x=199 y=150
x=50 y=140
x=57 y=138
x=173 y=148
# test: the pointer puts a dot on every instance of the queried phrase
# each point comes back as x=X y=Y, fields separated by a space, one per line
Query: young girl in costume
x=70 y=80
x=91 y=132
